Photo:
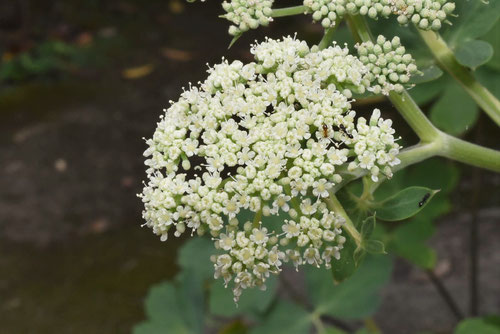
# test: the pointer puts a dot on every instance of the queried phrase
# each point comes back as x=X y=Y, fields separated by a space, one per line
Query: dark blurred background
x=81 y=83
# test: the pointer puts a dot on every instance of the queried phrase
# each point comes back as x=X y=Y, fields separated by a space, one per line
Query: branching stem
x=447 y=61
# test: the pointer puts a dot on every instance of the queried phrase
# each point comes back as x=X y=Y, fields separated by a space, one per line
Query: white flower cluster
x=390 y=66
x=426 y=14
x=247 y=14
x=267 y=137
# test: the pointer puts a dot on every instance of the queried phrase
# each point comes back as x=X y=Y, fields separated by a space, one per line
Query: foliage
x=181 y=305
x=47 y=58
x=385 y=216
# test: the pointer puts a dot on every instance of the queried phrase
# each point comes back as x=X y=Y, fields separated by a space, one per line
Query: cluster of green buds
x=325 y=11
x=269 y=138
x=390 y=66
x=247 y=14
x=426 y=14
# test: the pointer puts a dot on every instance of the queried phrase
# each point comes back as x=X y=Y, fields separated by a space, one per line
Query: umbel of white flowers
x=266 y=137
x=426 y=14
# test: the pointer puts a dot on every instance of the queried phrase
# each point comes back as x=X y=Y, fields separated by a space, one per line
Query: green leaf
x=235 y=327
x=367 y=227
x=476 y=326
x=429 y=73
x=190 y=299
x=354 y=298
x=194 y=256
x=347 y=264
x=160 y=299
x=404 y=204
x=285 y=318
x=374 y=247
x=493 y=37
x=493 y=320
x=455 y=112
x=474 y=53
x=159 y=328
x=475 y=18
x=163 y=312
x=252 y=301
x=427 y=91
x=408 y=241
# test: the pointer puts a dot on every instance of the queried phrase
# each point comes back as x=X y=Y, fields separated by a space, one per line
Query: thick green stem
x=443 y=145
x=402 y=101
x=412 y=114
x=334 y=205
x=417 y=153
x=288 y=11
x=447 y=61
x=471 y=154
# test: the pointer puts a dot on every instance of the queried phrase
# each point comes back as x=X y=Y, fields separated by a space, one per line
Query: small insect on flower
x=422 y=202
x=344 y=130
x=325 y=130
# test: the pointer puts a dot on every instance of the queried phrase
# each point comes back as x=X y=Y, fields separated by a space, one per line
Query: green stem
x=447 y=61
x=417 y=153
x=402 y=101
x=468 y=153
x=289 y=11
x=414 y=116
x=257 y=219
x=327 y=39
x=317 y=323
x=334 y=205
x=443 y=145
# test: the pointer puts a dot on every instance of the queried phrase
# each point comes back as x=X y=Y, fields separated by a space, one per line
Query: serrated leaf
x=455 y=112
x=475 y=326
x=474 y=53
x=404 y=204
x=354 y=298
x=252 y=301
x=374 y=247
x=285 y=318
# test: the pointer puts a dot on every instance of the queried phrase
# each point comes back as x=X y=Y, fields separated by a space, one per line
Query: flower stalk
x=433 y=141
x=288 y=11
x=333 y=204
x=407 y=107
